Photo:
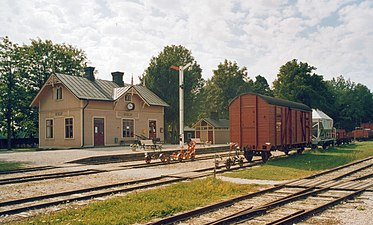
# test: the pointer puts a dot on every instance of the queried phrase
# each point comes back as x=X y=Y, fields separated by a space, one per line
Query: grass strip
x=310 y=162
x=6 y=166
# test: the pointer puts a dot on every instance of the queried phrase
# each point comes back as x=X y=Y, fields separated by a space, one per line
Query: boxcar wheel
x=249 y=155
x=265 y=156
x=299 y=151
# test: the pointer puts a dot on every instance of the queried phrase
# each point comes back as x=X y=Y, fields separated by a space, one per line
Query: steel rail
x=26 y=170
x=247 y=213
x=15 y=180
x=86 y=197
x=352 y=172
x=209 y=208
x=364 y=177
x=79 y=191
x=203 y=210
x=309 y=213
x=337 y=168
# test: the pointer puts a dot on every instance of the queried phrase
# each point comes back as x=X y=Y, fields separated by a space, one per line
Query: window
x=128 y=128
x=69 y=133
x=128 y=97
x=49 y=128
x=59 y=93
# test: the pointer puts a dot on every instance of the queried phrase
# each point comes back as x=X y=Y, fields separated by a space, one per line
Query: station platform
x=95 y=155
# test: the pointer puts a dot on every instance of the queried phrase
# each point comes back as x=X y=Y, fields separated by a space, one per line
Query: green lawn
x=142 y=206
x=297 y=166
x=5 y=166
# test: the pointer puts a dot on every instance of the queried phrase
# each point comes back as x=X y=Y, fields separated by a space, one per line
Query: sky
x=334 y=36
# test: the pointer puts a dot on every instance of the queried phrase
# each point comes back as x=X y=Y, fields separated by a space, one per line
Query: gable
x=48 y=87
x=149 y=97
x=221 y=123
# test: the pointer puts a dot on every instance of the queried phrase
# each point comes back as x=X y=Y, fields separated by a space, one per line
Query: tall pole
x=181 y=100
x=181 y=103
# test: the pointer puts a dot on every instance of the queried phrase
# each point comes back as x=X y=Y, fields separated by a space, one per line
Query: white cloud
x=335 y=36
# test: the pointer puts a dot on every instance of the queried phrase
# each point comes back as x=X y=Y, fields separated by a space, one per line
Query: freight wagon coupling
x=260 y=124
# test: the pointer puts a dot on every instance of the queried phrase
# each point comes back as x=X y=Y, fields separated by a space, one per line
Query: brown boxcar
x=342 y=137
x=361 y=134
x=260 y=124
x=341 y=133
x=367 y=126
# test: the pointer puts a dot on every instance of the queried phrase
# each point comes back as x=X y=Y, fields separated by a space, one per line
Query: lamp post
x=181 y=100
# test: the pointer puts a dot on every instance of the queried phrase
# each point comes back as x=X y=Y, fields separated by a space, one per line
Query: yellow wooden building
x=85 y=112
x=213 y=129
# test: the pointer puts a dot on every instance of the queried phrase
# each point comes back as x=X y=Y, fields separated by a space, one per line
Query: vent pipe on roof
x=118 y=78
x=89 y=73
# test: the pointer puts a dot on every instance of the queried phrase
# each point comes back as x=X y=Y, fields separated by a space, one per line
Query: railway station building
x=87 y=112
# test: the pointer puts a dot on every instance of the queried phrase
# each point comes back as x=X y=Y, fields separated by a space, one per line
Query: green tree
x=23 y=71
x=10 y=87
x=41 y=59
x=261 y=86
x=228 y=81
x=296 y=82
x=164 y=81
x=352 y=103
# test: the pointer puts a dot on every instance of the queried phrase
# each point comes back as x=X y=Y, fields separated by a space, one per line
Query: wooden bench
x=149 y=143
x=198 y=141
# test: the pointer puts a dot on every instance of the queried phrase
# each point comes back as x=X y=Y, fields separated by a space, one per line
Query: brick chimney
x=118 y=78
x=89 y=73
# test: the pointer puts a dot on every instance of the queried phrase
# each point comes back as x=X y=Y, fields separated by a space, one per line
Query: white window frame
x=130 y=97
x=46 y=128
x=59 y=93
x=134 y=127
x=64 y=123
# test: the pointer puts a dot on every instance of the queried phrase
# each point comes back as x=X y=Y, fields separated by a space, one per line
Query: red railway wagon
x=341 y=133
x=362 y=135
x=260 y=124
x=342 y=137
x=367 y=126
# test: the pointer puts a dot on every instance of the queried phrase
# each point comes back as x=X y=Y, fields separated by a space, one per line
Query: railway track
x=42 y=201
x=38 y=177
x=23 y=179
x=25 y=204
x=26 y=170
x=286 y=203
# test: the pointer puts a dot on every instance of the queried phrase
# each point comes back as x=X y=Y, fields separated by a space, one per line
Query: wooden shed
x=260 y=124
x=213 y=129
